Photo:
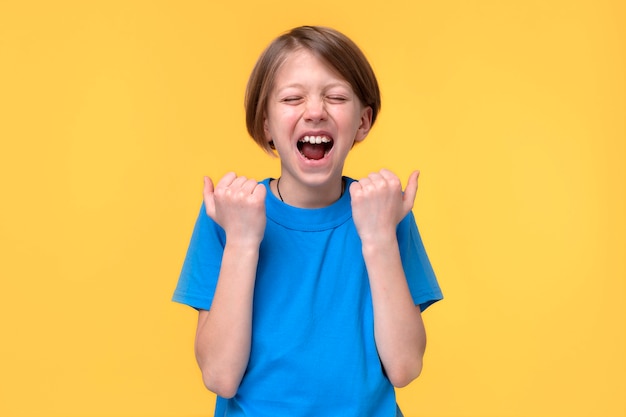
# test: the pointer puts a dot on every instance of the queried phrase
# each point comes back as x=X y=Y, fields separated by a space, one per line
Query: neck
x=308 y=197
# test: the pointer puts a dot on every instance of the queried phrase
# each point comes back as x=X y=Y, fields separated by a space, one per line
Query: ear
x=365 y=124
x=266 y=129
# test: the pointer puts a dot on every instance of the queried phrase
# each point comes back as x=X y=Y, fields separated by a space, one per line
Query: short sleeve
x=201 y=268
x=419 y=272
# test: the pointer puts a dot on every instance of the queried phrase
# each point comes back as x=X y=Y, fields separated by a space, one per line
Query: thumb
x=209 y=199
x=410 y=192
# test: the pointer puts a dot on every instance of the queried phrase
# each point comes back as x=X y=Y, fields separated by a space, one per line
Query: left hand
x=378 y=203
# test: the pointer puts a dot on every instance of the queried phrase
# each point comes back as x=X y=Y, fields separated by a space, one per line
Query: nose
x=315 y=110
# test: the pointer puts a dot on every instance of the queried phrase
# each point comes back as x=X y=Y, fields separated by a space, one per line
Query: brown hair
x=333 y=47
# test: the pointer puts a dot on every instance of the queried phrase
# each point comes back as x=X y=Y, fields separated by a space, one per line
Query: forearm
x=224 y=333
x=398 y=327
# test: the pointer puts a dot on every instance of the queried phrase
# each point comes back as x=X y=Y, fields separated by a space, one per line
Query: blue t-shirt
x=313 y=351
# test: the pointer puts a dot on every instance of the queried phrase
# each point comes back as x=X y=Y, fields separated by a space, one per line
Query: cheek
x=348 y=119
x=288 y=113
x=283 y=119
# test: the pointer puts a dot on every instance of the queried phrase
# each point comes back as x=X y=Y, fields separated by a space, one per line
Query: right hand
x=237 y=204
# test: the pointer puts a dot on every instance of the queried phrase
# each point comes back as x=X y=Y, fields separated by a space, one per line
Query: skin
x=309 y=98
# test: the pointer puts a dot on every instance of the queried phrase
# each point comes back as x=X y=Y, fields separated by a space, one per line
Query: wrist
x=243 y=243
x=379 y=242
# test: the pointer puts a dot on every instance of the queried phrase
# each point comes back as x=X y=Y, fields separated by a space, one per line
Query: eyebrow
x=343 y=84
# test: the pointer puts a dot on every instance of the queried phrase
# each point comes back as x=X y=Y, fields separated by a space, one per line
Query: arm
x=378 y=205
x=223 y=334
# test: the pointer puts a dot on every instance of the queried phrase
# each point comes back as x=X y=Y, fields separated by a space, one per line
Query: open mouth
x=315 y=147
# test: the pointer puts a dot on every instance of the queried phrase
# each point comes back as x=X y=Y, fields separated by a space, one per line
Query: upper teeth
x=315 y=139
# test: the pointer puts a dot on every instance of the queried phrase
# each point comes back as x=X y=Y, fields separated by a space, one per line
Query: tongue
x=312 y=151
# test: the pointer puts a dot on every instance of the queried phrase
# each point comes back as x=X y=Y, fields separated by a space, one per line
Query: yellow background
x=514 y=111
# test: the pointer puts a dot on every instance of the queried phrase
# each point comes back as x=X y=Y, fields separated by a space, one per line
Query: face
x=314 y=118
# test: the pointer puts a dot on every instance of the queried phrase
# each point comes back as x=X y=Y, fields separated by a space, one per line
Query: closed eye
x=291 y=100
x=337 y=99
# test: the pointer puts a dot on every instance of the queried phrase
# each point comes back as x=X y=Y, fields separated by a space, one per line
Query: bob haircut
x=332 y=47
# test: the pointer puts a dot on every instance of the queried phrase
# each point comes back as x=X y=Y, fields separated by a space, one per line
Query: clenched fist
x=237 y=204
x=378 y=203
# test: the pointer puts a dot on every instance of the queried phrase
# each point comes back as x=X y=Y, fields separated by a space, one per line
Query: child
x=309 y=287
